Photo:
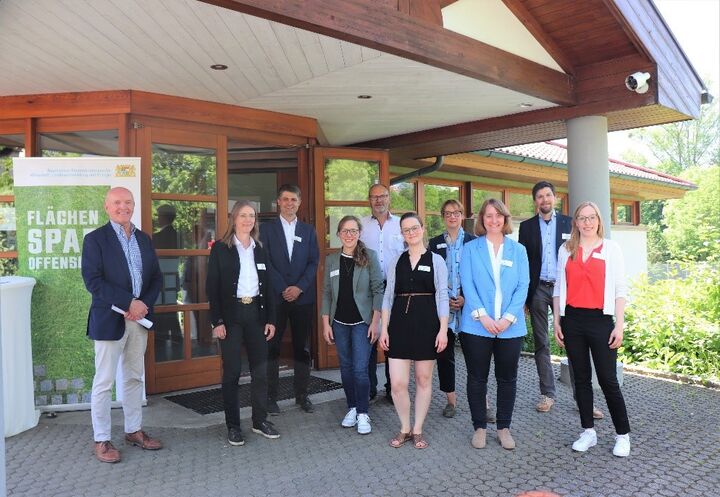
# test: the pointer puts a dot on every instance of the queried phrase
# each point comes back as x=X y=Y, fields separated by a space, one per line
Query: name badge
x=442 y=245
x=261 y=266
x=598 y=255
x=506 y=262
x=298 y=239
x=566 y=236
x=424 y=268
x=334 y=273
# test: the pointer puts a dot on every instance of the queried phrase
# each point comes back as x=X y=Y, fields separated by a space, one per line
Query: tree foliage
x=678 y=146
x=693 y=222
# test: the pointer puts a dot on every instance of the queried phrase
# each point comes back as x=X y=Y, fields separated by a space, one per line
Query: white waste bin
x=17 y=367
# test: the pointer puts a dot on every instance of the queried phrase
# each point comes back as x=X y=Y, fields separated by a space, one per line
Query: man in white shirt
x=381 y=233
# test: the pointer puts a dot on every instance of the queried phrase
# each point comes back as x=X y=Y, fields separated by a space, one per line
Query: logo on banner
x=125 y=171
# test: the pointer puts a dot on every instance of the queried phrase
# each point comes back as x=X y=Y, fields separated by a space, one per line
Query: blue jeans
x=353 y=349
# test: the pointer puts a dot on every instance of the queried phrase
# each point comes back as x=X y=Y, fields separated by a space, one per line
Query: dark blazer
x=302 y=270
x=440 y=240
x=107 y=278
x=222 y=279
x=529 y=236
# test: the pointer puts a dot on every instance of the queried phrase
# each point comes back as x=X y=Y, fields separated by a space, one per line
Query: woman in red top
x=589 y=292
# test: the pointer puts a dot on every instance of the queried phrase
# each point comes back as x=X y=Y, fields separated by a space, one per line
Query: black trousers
x=301 y=318
x=587 y=331
x=244 y=326
x=478 y=352
x=446 y=365
x=372 y=372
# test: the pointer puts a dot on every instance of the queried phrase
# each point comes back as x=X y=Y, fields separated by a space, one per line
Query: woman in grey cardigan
x=352 y=298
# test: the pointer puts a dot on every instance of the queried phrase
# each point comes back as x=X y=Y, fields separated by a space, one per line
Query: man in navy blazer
x=542 y=236
x=293 y=252
x=121 y=270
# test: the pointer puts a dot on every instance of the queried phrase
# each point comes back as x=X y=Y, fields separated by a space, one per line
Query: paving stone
x=61 y=385
x=46 y=385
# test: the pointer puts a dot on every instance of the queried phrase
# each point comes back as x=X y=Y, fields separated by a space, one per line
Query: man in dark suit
x=542 y=236
x=121 y=270
x=293 y=252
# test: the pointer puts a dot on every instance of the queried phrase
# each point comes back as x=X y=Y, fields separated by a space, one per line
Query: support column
x=588 y=172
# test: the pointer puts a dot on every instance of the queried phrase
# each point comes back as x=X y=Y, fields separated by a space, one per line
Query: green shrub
x=672 y=324
x=529 y=343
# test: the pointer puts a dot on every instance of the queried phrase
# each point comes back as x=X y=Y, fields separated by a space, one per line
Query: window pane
x=623 y=214
x=560 y=204
x=10 y=146
x=433 y=225
x=7 y=227
x=479 y=196
x=8 y=267
x=259 y=188
x=169 y=333
x=202 y=341
x=183 y=280
x=435 y=195
x=80 y=144
x=183 y=225
x=402 y=198
x=183 y=169
x=347 y=179
x=521 y=205
x=333 y=215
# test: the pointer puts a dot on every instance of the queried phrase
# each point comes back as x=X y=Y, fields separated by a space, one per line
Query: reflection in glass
x=8 y=240
x=169 y=336
x=333 y=215
x=202 y=342
x=350 y=180
x=521 y=205
x=402 y=198
x=179 y=224
x=183 y=169
x=479 y=196
x=8 y=267
x=258 y=188
x=183 y=280
x=80 y=144
x=435 y=195
x=623 y=214
x=10 y=146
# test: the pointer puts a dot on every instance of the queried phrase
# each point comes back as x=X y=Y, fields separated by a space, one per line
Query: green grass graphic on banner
x=52 y=221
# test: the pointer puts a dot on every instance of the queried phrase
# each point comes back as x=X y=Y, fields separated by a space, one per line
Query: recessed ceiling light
x=525 y=105
x=219 y=67
x=364 y=97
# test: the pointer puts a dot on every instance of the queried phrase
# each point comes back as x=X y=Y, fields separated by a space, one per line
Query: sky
x=696 y=26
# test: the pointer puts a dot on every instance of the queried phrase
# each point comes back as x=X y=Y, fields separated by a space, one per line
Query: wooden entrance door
x=343 y=177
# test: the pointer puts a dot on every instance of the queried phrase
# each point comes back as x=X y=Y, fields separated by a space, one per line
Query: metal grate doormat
x=210 y=401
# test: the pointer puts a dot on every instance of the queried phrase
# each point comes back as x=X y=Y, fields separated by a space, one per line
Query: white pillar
x=588 y=173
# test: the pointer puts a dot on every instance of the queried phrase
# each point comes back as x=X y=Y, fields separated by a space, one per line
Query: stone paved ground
x=676 y=452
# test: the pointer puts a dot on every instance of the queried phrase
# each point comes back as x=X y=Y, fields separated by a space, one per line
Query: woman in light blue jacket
x=351 y=304
x=495 y=277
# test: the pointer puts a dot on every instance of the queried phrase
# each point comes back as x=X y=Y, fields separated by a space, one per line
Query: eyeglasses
x=351 y=232
x=453 y=213
x=246 y=216
x=585 y=219
x=412 y=229
x=379 y=197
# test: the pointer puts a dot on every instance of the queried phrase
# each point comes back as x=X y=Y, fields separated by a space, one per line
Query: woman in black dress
x=414 y=326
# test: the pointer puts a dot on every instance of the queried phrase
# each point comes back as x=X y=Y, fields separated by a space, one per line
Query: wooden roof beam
x=376 y=26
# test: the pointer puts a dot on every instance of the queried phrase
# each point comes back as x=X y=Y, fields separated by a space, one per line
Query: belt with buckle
x=246 y=300
x=547 y=283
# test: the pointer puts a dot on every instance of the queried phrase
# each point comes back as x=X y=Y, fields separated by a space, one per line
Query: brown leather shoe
x=143 y=440
x=105 y=452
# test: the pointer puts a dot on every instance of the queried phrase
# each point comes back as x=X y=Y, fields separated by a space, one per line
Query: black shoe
x=305 y=404
x=266 y=429
x=273 y=408
x=235 y=437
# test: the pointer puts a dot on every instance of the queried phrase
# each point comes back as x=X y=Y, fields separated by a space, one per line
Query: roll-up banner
x=57 y=202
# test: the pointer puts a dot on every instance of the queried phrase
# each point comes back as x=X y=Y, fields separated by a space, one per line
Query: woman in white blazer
x=495 y=276
x=352 y=299
x=589 y=292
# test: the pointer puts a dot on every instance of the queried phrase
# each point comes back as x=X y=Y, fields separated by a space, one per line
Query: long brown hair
x=574 y=242
x=360 y=255
x=230 y=232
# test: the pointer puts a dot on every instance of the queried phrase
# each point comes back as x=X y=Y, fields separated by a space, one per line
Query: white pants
x=131 y=348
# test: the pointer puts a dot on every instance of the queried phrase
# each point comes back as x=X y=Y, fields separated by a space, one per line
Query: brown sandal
x=419 y=441
x=400 y=439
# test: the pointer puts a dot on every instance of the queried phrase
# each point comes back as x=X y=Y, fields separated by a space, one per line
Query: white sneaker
x=587 y=439
x=363 y=422
x=350 y=419
x=622 y=445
